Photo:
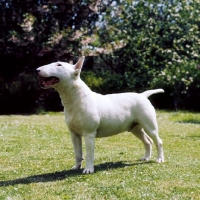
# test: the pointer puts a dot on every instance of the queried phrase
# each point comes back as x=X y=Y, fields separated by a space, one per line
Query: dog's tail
x=150 y=92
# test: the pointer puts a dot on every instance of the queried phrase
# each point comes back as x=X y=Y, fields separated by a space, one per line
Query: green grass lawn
x=37 y=154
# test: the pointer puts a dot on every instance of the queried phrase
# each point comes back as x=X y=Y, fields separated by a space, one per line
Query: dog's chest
x=75 y=127
x=81 y=121
x=73 y=122
x=76 y=122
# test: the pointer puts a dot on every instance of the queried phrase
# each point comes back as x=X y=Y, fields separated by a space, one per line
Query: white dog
x=92 y=115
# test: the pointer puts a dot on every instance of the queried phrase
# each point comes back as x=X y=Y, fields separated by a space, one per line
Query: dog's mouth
x=48 y=82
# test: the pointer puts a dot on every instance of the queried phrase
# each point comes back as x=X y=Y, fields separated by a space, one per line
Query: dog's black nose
x=37 y=71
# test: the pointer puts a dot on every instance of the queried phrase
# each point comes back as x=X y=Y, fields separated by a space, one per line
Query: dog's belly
x=107 y=130
x=106 y=133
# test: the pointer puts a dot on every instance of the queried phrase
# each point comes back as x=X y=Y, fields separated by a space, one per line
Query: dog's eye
x=59 y=64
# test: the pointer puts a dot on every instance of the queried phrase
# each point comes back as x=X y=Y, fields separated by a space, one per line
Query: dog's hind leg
x=159 y=146
x=148 y=122
x=151 y=129
x=158 y=142
x=77 y=144
x=139 y=132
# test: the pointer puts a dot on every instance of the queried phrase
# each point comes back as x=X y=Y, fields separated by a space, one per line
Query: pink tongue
x=50 y=82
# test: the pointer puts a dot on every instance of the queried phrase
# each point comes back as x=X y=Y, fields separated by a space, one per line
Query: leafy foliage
x=142 y=44
x=34 y=33
x=161 y=46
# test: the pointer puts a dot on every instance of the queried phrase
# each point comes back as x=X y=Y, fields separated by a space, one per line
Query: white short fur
x=90 y=115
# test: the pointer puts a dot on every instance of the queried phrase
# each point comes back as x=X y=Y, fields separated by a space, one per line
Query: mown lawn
x=36 y=155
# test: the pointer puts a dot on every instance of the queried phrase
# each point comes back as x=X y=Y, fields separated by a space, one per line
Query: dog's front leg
x=77 y=143
x=89 y=146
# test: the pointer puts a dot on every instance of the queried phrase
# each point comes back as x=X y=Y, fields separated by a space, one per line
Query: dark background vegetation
x=129 y=46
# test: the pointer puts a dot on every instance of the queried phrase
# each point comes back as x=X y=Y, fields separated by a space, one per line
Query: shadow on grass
x=189 y=121
x=56 y=176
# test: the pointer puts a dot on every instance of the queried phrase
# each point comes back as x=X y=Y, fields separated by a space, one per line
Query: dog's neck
x=72 y=93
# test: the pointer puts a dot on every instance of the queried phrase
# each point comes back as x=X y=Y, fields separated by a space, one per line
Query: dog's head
x=55 y=73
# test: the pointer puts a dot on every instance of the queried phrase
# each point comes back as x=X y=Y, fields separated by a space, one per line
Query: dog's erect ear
x=79 y=65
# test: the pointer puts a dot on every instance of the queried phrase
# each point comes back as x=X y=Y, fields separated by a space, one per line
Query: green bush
x=181 y=84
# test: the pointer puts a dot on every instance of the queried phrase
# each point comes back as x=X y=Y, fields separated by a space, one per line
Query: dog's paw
x=160 y=160
x=145 y=158
x=76 y=167
x=88 y=170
